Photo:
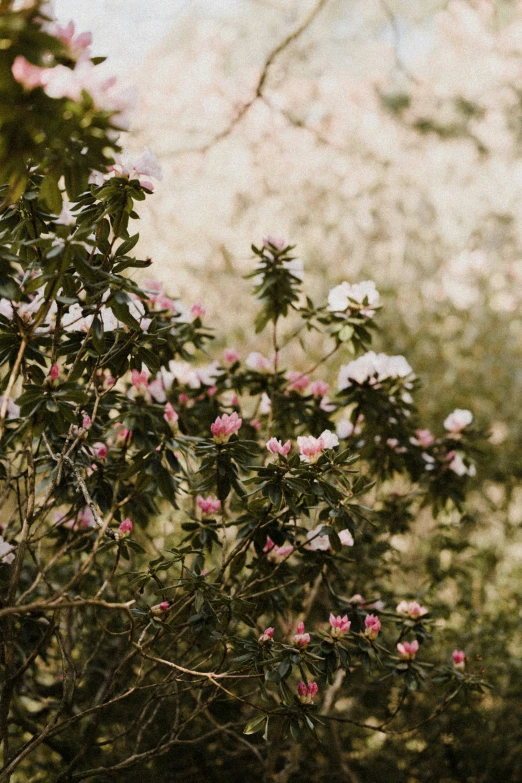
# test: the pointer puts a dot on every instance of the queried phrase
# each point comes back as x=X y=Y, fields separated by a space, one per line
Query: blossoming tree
x=192 y=551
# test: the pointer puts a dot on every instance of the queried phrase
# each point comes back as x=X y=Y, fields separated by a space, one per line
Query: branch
x=258 y=92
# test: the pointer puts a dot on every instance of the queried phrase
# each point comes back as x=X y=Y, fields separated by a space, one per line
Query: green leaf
x=255 y=724
x=50 y=193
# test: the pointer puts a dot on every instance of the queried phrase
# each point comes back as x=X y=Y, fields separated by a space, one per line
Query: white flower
x=343 y=297
x=458 y=420
x=6 y=552
x=184 y=374
x=259 y=363
x=373 y=367
x=207 y=375
x=321 y=543
x=346 y=538
x=13 y=410
x=6 y=308
x=265 y=404
x=330 y=439
x=344 y=428
x=457 y=466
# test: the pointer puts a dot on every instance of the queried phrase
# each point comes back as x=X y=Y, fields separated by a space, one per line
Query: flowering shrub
x=162 y=510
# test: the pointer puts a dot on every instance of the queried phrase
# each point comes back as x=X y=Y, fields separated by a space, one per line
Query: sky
x=128 y=30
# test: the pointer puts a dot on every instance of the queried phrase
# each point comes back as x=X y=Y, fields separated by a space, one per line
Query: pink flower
x=225 y=426
x=301 y=639
x=208 y=505
x=278 y=553
x=86 y=421
x=322 y=543
x=459 y=660
x=77 y=45
x=306 y=692
x=424 y=438
x=259 y=363
x=122 y=434
x=28 y=75
x=346 y=538
x=411 y=609
x=266 y=636
x=372 y=626
x=126 y=527
x=278 y=242
x=269 y=544
x=159 y=609
x=140 y=381
x=171 y=417
x=297 y=381
x=86 y=517
x=311 y=448
x=230 y=356
x=339 y=625
x=458 y=420
x=275 y=446
x=55 y=372
x=408 y=650
x=197 y=310
x=319 y=388
x=100 y=450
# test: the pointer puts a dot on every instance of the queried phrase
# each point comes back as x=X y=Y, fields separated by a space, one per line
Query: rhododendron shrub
x=194 y=548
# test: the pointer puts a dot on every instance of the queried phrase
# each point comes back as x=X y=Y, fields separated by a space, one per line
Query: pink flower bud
x=372 y=626
x=27 y=74
x=459 y=660
x=211 y=391
x=319 y=388
x=408 y=650
x=301 y=639
x=140 y=381
x=230 y=356
x=357 y=599
x=159 y=609
x=297 y=381
x=208 y=505
x=86 y=421
x=100 y=450
x=256 y=424
x=126 y=527
x=424 y=438
x=197 y=310
x=277 y=242
x=183 y=398
x=306 y=692
x=225 y=426
x=275 y=446
x=171 y=417
x=266 y=636
x=55 y=372
x=122 y=434
x=339 y=626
